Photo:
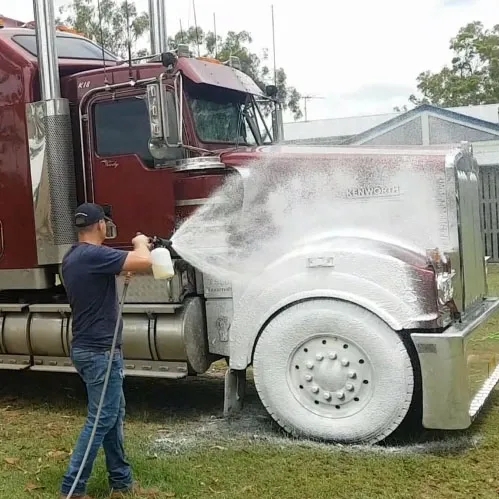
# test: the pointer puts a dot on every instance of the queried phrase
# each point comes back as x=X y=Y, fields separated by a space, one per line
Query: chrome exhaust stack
x=51 y=148
x=157 y=25
x=47 y=55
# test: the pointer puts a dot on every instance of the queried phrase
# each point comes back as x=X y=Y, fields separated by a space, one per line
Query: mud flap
x=235 y=390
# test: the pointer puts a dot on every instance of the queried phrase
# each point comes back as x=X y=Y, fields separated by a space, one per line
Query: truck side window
x=122 y=127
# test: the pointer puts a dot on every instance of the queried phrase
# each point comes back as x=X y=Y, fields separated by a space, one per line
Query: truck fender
x=258 y=304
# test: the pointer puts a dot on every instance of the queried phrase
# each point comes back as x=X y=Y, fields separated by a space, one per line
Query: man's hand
x=139 y=260
x=141 y=240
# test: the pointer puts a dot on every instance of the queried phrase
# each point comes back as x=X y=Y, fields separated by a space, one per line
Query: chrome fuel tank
x=160 y=340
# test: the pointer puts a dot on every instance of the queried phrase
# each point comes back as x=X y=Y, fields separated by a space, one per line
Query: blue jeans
x=92 y=366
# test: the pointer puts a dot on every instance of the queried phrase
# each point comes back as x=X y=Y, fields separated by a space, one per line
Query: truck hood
x=397 y=194
x=244 y=155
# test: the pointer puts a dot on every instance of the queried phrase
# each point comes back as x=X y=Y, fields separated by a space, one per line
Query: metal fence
x=490 y=210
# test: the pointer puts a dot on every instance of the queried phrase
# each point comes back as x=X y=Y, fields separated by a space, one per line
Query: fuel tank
x=161 y=340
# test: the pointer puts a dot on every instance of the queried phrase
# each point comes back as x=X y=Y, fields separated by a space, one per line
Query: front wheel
x=331 y=370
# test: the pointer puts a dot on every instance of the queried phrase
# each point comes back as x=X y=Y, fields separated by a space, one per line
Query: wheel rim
x=330 y=376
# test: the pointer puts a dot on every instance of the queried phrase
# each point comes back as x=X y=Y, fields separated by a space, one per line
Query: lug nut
x=340 y=394
x=345 y=362
x=308 y=377
x=349 y=387
x=310 y=365
x=327 y=395
x=319 y=356
x=333 y=356
x=352 y=374
x=315 y=389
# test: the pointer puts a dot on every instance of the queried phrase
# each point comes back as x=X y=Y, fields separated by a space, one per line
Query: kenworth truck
x=348 y=335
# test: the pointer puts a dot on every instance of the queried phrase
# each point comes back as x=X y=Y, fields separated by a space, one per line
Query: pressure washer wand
x=104 y=388
x=158 y=242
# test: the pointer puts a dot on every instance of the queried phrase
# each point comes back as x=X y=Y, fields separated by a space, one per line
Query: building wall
x=444 y=132
x=410 y=134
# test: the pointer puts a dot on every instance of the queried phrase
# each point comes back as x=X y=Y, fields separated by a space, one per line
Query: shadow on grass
x=148 y=400
x=191 y=413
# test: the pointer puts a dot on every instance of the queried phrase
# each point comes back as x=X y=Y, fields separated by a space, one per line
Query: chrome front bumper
x=459 y=368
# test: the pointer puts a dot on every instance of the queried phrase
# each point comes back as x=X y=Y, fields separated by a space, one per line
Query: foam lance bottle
x=162 y=265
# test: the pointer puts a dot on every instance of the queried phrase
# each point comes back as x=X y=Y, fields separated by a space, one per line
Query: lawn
x=178 y=442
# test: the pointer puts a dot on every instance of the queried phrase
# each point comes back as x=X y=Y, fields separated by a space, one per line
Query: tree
x=472 y=78
x=82 y=15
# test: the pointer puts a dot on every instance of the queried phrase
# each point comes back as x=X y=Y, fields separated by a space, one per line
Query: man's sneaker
x=135 y=491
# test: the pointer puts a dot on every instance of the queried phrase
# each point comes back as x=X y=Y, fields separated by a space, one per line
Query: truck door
x=123 y=174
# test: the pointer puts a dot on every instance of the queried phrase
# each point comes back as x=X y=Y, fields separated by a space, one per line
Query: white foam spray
x=286 y=203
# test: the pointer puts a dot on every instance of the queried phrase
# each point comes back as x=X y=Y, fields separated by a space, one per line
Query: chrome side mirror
x=165 y=119
x=111 y=230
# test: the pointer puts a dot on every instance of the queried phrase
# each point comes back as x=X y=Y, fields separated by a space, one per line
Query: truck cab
x=211 y=108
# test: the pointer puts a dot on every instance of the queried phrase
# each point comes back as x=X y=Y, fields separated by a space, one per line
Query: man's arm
x=138 y=260
x=106 y=260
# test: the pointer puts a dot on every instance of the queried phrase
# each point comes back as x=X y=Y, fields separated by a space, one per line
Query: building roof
x=354 y=125
x=334 y=127
x=446 y=114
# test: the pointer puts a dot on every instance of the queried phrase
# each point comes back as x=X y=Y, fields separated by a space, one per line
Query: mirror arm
x=259 y=111
x=277 y=125
x=163 y=111
x=165 y=114
x=179 y=104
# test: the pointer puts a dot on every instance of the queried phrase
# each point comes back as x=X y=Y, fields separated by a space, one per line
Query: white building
x=337 y=130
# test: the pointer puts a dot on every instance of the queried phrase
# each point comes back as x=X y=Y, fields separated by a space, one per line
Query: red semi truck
x=363 y=333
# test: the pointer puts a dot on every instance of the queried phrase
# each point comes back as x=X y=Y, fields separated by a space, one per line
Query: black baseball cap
x=88 y=214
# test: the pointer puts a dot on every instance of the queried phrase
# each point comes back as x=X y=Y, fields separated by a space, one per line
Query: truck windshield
x=226 y=116
x=67 y=46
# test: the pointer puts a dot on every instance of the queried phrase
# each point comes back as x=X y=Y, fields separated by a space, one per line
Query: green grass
x=41 y=415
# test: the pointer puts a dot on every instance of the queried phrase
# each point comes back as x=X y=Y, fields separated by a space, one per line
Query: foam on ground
x=254 y=427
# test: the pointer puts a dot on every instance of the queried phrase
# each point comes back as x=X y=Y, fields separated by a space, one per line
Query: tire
x=330 y=370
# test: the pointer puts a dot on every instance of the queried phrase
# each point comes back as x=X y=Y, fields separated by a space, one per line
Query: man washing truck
x=89 y=272
x=408 y=300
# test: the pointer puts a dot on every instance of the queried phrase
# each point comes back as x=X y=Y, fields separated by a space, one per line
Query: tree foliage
x=472 y=78
x=83 y=16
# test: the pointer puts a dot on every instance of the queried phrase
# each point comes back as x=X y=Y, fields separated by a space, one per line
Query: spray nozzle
x=159 y=242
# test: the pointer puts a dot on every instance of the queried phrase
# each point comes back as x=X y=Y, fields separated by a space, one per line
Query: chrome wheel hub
x=330 y=376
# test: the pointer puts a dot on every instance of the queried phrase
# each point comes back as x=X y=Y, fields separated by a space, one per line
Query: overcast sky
x=361 y=57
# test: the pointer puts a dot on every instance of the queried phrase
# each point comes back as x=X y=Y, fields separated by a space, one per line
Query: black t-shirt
x=89 y=274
